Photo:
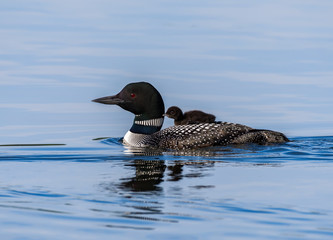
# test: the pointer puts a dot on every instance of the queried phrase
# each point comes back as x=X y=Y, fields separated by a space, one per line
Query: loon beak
x=113 y=100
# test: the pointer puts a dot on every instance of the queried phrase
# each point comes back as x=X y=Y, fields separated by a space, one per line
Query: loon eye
x=132 y=95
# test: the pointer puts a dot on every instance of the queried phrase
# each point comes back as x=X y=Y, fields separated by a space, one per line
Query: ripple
x=103 y=187
x=301 y=149
x=37 y=194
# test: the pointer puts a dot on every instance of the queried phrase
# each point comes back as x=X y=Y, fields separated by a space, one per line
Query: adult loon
x=146 y=103
x=190 y=117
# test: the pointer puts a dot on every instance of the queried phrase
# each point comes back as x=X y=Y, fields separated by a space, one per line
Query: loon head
x=174 y=112
x=142 y=99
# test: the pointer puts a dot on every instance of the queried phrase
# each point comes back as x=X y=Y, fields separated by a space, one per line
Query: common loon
x=190 y=117
x=146 y=103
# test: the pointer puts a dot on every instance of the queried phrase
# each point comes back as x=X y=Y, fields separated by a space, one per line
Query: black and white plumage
x=146 y=103
x=211 y=134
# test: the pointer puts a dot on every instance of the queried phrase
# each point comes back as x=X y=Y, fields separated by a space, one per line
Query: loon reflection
x=149 y=174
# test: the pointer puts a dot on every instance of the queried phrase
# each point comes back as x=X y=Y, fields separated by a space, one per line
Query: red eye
x=133 y=95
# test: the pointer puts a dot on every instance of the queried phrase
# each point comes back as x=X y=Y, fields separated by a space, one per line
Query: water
x=103 y=190
x=265 y=64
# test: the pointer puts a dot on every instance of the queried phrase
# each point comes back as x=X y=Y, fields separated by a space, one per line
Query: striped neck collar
x=157 y=122
x=147 y=127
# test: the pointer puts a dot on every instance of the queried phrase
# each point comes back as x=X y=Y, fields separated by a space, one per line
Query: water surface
x=104 y=190
x=265 y=64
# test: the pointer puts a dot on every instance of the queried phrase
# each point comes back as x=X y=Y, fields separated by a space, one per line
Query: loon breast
x=135 y=139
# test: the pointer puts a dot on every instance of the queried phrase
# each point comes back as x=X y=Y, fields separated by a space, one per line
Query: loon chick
x=190 y=117
x=143 y=100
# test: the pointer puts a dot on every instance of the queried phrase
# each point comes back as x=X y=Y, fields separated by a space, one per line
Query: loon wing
x=261 y=136
x=211 y=134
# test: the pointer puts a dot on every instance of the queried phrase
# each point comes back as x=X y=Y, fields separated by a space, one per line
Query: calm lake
x=264 y=64
x=105 y=190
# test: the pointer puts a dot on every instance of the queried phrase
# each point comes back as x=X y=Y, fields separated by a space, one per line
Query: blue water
x=265 y=64
x=103 y=190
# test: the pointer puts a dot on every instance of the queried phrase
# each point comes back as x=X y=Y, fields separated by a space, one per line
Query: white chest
x=134 y=139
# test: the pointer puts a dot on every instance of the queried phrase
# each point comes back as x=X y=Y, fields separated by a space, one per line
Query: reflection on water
x=148 y=175
x=145 y=189
x=247 y=192
x=175 y=171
